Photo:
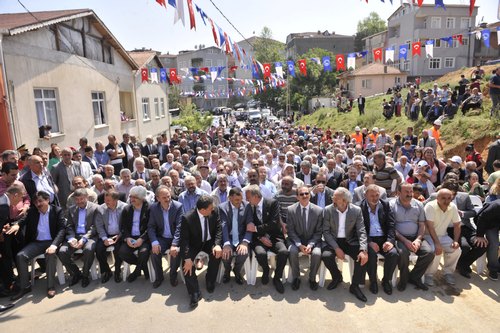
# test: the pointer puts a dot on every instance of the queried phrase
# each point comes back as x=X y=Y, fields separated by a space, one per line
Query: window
x=435 y=63
x=435 y=23
x=465 y=22
x=449 y=62
x=145 y=109
x=437 y=43
x=157 y=107
x=162 y=107
x=466 y=41
x=367 y=84
x=208 y=63
x=406 y=66
x=46 y=108
x=450 y=23
x=98 y=103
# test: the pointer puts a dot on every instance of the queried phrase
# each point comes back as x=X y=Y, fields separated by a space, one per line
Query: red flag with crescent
x=228 y=46
x=191 y=14
x=214 y=33
x=415 y=48
x=420 y=2
x=377 y=54
x=471 y=7
x=144 y=74
x=303 y=67
x=173 y=74
x=162 y=3
x=267 y=70
x=340 y=60
x=459 y=38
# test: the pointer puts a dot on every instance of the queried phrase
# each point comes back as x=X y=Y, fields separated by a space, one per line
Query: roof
x=375 y=69
x=142 y=58
x=317 y=34
x=428 y=5
x=18 y=23
x=375 y=34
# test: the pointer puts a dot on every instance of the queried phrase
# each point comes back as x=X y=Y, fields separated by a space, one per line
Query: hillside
x=456 y=133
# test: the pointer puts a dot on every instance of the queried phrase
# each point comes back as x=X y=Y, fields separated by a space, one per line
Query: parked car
x=272 y=119
x=217 y=111
x=265 y=113
x=240 y=114
x=254 y=116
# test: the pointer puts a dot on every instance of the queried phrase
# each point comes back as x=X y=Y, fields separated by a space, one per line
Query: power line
x=27 y=10
x=231 y=24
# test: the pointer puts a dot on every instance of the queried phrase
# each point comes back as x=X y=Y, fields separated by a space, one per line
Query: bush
x=193 y=119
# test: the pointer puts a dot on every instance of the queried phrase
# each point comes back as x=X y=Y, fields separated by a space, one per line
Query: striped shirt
x=385 y=176
x=285 y=201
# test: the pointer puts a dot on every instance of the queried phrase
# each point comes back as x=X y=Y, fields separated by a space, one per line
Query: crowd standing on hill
x=238 y=193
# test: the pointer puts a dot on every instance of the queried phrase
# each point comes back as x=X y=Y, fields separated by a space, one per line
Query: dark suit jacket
x=313 y=174
x=296 y=226
x=156 y=223
x=244 y=217
x=57 y=224
x=147 y=163
x=328 y=197
x=135 y=175
x=345 y=183
x=92 y=162
x=60 y=177
x=191 y=236
x=335 y=180
x=100 y=198
x=164 y=150
x=30 y=186
x=127 y=157
x=127 y=218
x=493 y=154
x=385 y=218
x=102 y=219
x=146 y=151
x=90 y=218
x=270 y=224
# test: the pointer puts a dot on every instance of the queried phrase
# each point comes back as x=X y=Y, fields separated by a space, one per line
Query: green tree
x=174 y=96
x=368 y=26
x=192 y=119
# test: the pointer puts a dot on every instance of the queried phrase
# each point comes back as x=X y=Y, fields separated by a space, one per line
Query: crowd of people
x=237 y=193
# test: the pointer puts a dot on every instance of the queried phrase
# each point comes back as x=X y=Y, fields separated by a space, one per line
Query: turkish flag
x=339 y=58
x=173 y=74
x=303 y=67
x=205 y=69
x=233 y=69
x=377 y=54
x=459 y=38
x=162 y=3
x=144 y=74
x=471 y=6
x=420 y=2
x=191 y=14
x=214 y=32
x=228 y=47
x=415 y=48
x=267 y=70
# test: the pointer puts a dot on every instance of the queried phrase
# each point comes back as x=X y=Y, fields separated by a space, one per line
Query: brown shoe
x=51 y=293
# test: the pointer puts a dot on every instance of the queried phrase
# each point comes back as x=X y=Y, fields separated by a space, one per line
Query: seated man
x=474 y=101
x=201 y=230
x=81 y=235
x=45 y=227
x=164 y=233
x=344 y=233
x=410 y=221
x=305 y=228
x=268 y=234
x=488 y=225
x=440 y=214
x=235 y=215
x=108 y=225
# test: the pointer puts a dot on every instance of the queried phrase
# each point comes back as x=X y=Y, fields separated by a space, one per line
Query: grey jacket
x=355 y=232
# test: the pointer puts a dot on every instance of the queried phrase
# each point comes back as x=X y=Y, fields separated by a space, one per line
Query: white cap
x=422 y=164
x=456 y=159
x=375 y=129
x=438 y=122
x=357 y=128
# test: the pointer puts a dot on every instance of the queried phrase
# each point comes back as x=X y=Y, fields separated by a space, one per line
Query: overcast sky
x=143 y=23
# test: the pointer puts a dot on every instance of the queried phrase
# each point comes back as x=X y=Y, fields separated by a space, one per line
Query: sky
x=144 y=23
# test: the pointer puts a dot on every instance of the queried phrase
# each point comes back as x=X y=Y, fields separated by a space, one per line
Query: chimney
x=385 y=69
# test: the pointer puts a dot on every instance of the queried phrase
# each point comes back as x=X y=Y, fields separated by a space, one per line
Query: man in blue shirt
x=494 y=85
x=190 y=196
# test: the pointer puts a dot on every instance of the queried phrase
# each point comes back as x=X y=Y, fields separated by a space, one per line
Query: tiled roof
x=375 y=69
x=26 y=21
x=142 y=58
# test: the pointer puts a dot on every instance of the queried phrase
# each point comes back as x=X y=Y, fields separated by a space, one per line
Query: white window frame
x=162 y=107
x=366 y=84
x=448 y=21
x=406 y=65
x=156 y=104
x=146 y=112
x=208 y=63
x=437 y=43
x=435 y=22
x=465 y=22
x=44 y=102
x=452 y=62
x=465 y=40
x=100 y=102
x=435 y=61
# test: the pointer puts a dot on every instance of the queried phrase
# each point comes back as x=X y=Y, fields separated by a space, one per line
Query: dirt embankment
x=481 y=145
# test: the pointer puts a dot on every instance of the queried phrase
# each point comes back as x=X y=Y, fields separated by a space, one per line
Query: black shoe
x=313 y=285
x=146 y=274
x=238 y=278
x=226 y=278
x=132 y=277
x=157 y=283
x=279 y=285
x=21 y=293
x=335 y=282
x=210 y=287
x=265 y=278
x=6 y=307
x=195 y=297
x=401 y=286
x=464 y=272
x=418 y=284
x=85 y=281
x=374 y=287
x=173 y=281
x=118 y=276
x=387 y=286
x=353 y=289
x=296 y=284
x=493 y=275
x=75 y=279
x=106 y=276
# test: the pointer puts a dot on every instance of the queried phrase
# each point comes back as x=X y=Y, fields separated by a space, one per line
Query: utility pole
x=468 y=47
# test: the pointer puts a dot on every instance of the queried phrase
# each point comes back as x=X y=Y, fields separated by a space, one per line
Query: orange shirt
x=435 y=133
x=373 y=137
x=358 y=137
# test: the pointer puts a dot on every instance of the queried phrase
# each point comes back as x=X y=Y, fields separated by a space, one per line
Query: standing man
x=488 y=225
x=63 y=174
x=201 y=230
x=235 y=215
x=381 y=232
x=44 y=232
x=344 y=233
x=268 y=235
x=361 y=104
x=494 y=85
x=164 y=232
x=305 y=228
x=410 y=221
x=493 y=154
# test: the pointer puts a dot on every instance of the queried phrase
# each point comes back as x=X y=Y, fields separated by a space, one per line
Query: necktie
x=141 y=175
x=150 y=149
x=304 y=216
x=205 y=232
x=255 y=217
x=234 y=230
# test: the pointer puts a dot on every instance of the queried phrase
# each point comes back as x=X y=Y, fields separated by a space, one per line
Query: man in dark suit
x=81 y=235
x=201 y=230
x=304 y=226
x=140 y=170
x=306 y=174
x=380 y=230
x=351 y=183
x=150 y=150
x=36 y=179
x=61 y=177
x=493 y=155
x=108 y=229
x=344 y=233
x=268 y=234
x=164 y=233
x=235 y=215
x=44 y=232
x=127 y=149
x=361 y=104
x=321 y=195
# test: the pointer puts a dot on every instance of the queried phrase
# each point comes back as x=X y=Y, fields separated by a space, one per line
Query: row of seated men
x=393 y=229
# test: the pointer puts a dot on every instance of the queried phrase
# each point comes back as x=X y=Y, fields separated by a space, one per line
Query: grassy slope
x=455 y=133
